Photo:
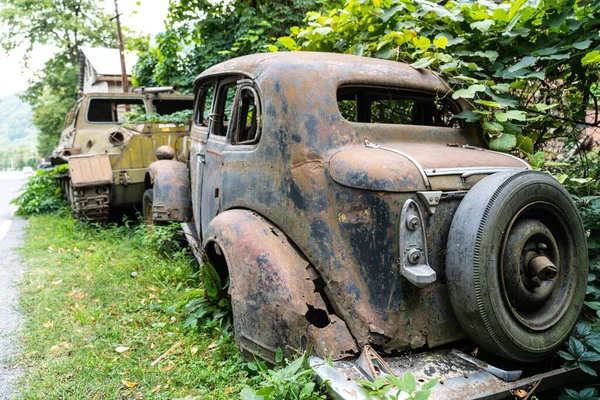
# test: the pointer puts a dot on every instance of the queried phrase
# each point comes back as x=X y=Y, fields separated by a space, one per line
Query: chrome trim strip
x=409 y=158
x=470 y=171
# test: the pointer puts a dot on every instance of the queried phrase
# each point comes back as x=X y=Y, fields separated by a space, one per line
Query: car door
x=199 y=137
x=213 y=156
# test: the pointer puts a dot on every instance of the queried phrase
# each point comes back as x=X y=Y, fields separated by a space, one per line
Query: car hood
x=410 y=167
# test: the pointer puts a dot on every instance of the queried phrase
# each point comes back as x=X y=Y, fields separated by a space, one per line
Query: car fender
x=170 y=181
x=275 y=301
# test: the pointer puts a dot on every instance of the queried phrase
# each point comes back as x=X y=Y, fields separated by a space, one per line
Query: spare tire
x=516 y=264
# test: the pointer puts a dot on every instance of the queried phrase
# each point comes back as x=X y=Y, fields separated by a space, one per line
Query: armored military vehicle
x=107 y=156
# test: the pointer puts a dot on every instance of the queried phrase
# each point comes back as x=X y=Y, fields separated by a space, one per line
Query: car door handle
x=201 y=158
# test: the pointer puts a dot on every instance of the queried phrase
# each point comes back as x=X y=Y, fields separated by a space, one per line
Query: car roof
x=341 y=67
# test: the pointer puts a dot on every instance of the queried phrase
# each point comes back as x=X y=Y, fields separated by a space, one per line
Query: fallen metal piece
x=460 y=375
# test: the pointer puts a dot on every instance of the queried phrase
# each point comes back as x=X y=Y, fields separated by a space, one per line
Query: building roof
x=106 y=61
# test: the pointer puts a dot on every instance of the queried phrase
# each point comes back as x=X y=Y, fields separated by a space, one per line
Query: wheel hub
x=531 y=272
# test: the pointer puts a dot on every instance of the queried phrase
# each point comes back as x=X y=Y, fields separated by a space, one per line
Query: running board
x=460 y=376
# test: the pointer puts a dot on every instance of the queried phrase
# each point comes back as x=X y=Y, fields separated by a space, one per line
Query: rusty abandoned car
x=355 y=214
x=107 y=161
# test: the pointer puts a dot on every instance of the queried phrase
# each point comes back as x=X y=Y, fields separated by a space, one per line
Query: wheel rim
x=537 y=266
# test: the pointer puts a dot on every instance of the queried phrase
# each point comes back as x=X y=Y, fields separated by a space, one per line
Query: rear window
x=111 y=110
x=379 y=105
x=170 y=106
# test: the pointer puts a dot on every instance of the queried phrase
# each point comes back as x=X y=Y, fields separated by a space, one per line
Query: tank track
x=90 y=203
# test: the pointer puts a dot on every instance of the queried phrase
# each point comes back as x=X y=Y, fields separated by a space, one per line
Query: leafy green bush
x=585 y=394
x=406 y=387
x=530 y=67
x=42 y=193
x=141 y=117
x=287 y=380
x=209 y=307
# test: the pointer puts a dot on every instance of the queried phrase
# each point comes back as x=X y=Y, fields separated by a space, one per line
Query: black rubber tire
x=147 y=202
x=475 y=269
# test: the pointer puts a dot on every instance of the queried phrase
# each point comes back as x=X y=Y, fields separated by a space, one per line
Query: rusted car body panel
x=460 y=376
x=171 y=185
x=303 y=176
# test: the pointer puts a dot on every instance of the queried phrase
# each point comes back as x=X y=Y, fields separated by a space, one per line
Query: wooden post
x=124 y=80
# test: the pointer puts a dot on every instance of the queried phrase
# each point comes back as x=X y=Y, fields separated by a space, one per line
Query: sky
x=147 y=18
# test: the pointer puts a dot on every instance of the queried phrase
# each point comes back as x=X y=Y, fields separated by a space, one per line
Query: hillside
x=18 y=136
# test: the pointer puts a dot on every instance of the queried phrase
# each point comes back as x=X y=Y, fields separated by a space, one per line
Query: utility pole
x=124 y=80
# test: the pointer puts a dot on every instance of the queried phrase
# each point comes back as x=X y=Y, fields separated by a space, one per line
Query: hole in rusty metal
x=317 y=317
x=116 y=139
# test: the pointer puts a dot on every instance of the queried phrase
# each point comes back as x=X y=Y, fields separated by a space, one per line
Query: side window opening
x=111 y=110
x=170 y=106
x=247 y=129
x=222 y=112
x=394 y=106
x=204 y=104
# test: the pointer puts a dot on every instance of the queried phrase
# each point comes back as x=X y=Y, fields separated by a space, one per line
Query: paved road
x=11 y=271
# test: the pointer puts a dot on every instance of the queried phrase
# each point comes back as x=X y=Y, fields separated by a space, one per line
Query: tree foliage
x=67 y=25
x=529 y=67
x=202 y=33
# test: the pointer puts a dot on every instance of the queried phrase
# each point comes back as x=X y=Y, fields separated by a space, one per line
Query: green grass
x=89 y=291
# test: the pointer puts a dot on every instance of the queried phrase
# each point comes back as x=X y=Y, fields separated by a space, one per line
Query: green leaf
x=589 y=394
x=504 y=142
x=594 y=305
x=440 y=42
x=503 y=101
x=591 y=58
x=390 y=12
x=469 y=116
x=422 y=43
x=323 y=31
x=423 y=62
x=576 y=347
x=584 y=44
x=279 y=355
x=430 y=385
x=524 y=63
x=378 y=383
x=524 y=144
x=483 y=26
x=589 y=356
x=544 y=107
x=593 y=340
x=409 y=382
x=516 y=115
x=493 y=127
x=288 y=43
x=422 y=395
x=249 y=394
x=566 y=356
x=587 y=369
x=583 y=328
x=490 y=55
x=307 y=389
x=272 y=48
x=265 y=391
x=469 y=92
x=502 y=87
